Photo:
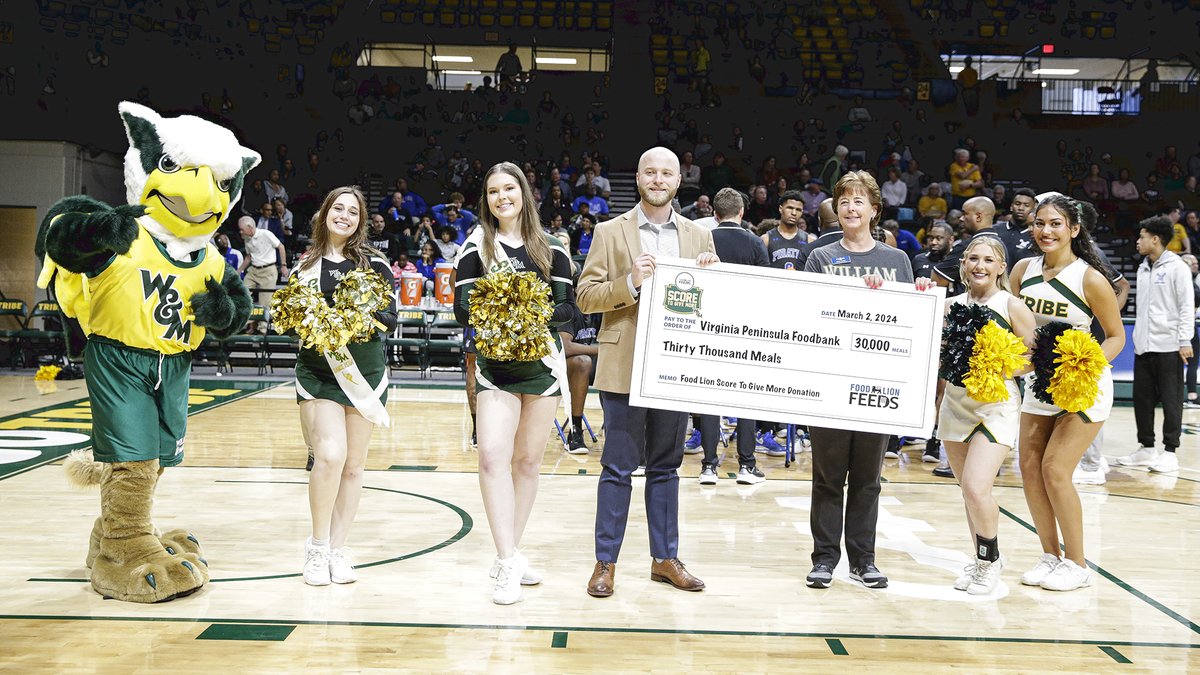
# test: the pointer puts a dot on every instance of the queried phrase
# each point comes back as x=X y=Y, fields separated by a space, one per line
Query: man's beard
x=646 y=197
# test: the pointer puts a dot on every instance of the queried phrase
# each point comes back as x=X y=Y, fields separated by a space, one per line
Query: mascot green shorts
x=139 y=402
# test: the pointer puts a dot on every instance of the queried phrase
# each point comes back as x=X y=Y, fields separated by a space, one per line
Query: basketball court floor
x=423 y=601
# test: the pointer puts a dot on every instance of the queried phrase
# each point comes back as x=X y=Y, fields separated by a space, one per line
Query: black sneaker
x=575 y=443
x=869 y=575
x=933 y=451
x=750 y=475
x=944 y=472
x=821 y=576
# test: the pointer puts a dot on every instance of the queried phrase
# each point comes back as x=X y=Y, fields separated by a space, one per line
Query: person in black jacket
x=739 y=246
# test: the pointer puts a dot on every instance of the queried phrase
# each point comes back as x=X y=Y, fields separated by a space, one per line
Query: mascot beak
x=187 y=201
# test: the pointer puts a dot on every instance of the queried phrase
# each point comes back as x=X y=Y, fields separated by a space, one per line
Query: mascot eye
x=223 y=185
x=167 y=165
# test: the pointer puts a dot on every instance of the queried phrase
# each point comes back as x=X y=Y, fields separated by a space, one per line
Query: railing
x=1123 y=97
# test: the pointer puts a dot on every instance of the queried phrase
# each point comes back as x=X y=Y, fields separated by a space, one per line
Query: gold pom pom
x=360 y=294
x=996 y=356
x=1076 y=380
x=301 y=308
x=511 y=312
x=47 y=373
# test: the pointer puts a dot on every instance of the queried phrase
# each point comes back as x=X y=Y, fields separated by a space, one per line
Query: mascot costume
x=146 y=286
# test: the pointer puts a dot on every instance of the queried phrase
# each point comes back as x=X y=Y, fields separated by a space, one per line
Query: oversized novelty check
x=787 y=346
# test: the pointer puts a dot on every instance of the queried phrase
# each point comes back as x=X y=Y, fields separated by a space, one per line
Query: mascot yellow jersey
x=151 y=280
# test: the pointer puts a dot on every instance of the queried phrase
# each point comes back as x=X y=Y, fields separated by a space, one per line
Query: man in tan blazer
x=621 y=258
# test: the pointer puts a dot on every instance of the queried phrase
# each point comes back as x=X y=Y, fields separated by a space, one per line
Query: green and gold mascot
x=146 y=286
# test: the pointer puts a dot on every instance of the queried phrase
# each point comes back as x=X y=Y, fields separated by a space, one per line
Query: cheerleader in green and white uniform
x=516 y=400
x=341 y=394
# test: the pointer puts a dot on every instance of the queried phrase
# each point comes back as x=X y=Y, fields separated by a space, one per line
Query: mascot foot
x=132 y=562
x=94 y=543
x=139 y=569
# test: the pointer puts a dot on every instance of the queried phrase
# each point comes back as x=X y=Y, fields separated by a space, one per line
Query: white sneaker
x=531 y=577
x=508 y=579
x=1067 y=577
x=964 y=580
x=708 y=475
x=316 y=564
x=1041 y=570
x=986 y=576
x=341 y=566
x=1104 y=465
x=890 y=453
x=1166 y=463
x=750 y=475
x=1082 y=476
x=1143 y=456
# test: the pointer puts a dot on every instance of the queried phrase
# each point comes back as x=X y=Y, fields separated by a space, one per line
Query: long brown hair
x=528 y=221
x=356 y=247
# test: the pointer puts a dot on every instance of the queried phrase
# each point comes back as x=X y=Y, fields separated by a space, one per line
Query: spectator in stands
x=600 y=180
x=716 y=175
x=1123 y=188
x=1162 y=337
x=833 y=168
x=273 y=188
x=1187 y=198
x=1151 y=194
x=858 y=113
x=895 y=194
x=409 y=201
x=1180 y=242
x=424 y=232
x=905 y=241
x=253 y=194
x=267 y=220
x=581 y=241
x=280 y=209
x=446 y=244
x=701 y=208
x=452 y=214
x=965 y=179
x=1191 y=223
x=1095 y=186
x=558 y=228
x=396 y=216
x=597 y=205
x=452 y=220
x=1162 y=166
x=703 y=147
x=1001 y=199
x=913 y=178
x=968 y=87
x=233 y=257
x=426 y=265
x=768 y=173
x=555 y=205
x=383 y=241
x=811 y=197
x=938 y=238
x=760 y=207
x=932 y=205
x=261 y=267
x=564 y=186
x=689 y=187
x=701 y=59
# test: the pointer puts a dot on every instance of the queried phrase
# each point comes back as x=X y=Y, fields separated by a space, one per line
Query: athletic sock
x=577 y=422
x=987 y=549
x=1169 y=449
x=320 y=543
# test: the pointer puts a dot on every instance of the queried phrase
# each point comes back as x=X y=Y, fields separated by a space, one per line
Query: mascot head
x=186 y=171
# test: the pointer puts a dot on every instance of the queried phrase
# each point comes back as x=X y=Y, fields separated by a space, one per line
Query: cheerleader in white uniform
x=1066 y=284
x=978 y=436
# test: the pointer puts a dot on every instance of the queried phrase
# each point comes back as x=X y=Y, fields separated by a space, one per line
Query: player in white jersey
x=1066 y=283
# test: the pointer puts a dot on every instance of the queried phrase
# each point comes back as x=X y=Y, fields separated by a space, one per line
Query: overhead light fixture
x=954 y=70
x=454 y=59
x=1056 y=71
x=555 y=61
x=463 y=72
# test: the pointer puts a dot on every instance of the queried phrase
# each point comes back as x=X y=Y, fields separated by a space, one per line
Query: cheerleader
x=516 y=400
x=341 y=393
x=1066 y=284
x=978 y=435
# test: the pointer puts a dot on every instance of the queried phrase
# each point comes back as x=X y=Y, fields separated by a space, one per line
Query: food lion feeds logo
x=682 y=297
x=874 y=396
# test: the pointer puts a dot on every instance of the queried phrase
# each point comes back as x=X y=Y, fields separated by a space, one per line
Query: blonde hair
x=998 y=249
x=860 y=182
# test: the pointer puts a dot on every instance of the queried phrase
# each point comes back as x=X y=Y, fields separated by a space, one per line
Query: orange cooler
x=443 y=290
x=411 y=286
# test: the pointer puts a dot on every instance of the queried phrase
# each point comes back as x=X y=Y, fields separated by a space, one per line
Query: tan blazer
x=603 y=288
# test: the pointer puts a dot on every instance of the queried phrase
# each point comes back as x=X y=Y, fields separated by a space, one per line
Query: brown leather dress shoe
x=601 y=583
x=672 y=571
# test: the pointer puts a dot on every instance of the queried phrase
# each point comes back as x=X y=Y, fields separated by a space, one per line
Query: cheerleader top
x=1059 y=299
x=997 y=307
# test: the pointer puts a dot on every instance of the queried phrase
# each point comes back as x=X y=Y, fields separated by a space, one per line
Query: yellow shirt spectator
x=1178 y=243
